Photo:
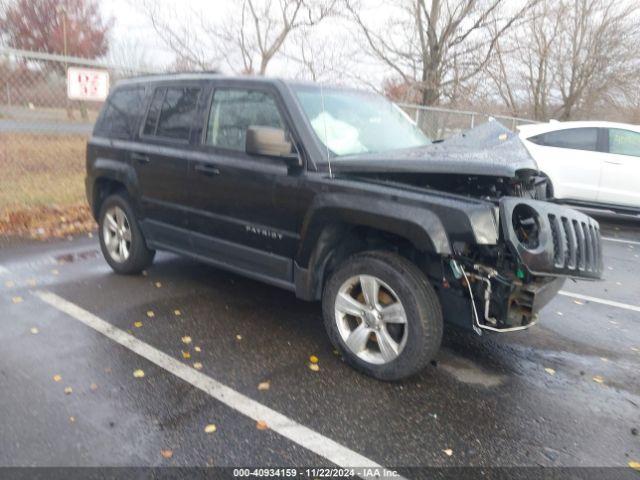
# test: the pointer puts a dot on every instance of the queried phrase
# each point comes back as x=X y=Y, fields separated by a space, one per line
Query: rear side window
x=171 y=113
x=624 y=142
x=122 y=112
x=233 y=111
x=575 y=138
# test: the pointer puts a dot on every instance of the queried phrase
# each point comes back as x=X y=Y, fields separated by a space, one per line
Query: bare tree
x=436 y=46
x=597 y=52
x=522 y=70
x=177 y=30
x=568 y=57
x=265 y=25
x=246 y=39
x=129 y=56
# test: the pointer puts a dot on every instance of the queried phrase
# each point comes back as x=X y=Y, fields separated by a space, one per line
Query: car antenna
x=324 y=123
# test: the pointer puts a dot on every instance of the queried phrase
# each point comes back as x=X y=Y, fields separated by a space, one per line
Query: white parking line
x=610 y=303
x=307 y=438
x=620 y=240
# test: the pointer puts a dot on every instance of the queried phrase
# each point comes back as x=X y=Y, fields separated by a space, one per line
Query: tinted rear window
x=575 y=138
x=121 y=113
x=172 y=112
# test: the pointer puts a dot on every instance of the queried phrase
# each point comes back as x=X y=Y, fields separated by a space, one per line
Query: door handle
x=206 y=169
x=140 y=157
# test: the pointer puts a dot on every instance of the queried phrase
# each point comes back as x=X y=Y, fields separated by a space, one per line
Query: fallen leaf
x=186 y=355
x=72 y=419
x=150 y=314
x=604 y=359
x=238 y=337
x=578 y=302
x=138 y=373
x=68 y=390
x=166 y=453
x=17 y=299
x=197 y=349
x=313 y=359
x=186 y=340
x=177 y=313
x=261 y=425
x=57 y=378
x=314 y=366
x=9 y=284
x=264 y=386
x=550 y=371
x=107 y=370
x=448 y=452
x=137 y=324
x=598 y=379
x=210 y=428
x=197 y=366
x=634 y=465
x=34 y=330
x=93 y=387
x=158 y=285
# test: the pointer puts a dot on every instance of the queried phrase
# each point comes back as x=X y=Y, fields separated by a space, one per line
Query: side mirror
x=270 y=142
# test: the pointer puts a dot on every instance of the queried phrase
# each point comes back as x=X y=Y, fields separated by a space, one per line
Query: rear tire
x=397 y=334
x=121 y=240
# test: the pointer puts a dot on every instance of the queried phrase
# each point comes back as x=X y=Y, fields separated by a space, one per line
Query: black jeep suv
x=336 y=195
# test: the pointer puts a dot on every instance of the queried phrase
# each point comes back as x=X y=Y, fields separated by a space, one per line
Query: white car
x=595 y=164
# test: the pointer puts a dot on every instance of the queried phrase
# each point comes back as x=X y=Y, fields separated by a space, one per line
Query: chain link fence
x=439 y=123
x=43 y=134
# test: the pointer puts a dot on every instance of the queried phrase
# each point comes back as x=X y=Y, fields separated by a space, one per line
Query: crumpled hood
x=489 y=149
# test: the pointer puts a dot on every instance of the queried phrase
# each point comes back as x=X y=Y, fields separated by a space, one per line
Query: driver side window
x=233 y=111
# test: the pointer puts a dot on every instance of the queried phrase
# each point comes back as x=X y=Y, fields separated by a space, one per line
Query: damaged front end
x=540 y=246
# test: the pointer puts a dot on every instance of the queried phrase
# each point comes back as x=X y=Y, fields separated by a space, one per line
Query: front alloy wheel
x=371 y=319
x=382 y=314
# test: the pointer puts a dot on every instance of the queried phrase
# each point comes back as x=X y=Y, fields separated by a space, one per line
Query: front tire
x=121 y=241
x=383 y=315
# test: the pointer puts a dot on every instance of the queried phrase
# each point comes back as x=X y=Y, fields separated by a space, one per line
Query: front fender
x=422 y=227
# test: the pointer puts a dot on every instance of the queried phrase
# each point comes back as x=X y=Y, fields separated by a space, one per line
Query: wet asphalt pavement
x=564 y=393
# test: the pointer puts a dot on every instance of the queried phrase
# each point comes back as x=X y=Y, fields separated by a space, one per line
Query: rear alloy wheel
x=121 y=240
x=116 y=231
x=383 y=315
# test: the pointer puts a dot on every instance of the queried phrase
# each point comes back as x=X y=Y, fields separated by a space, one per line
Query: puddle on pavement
x=77 y=256
x=466 y=371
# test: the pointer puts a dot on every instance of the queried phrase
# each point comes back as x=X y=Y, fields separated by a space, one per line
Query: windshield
x=350 y=122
